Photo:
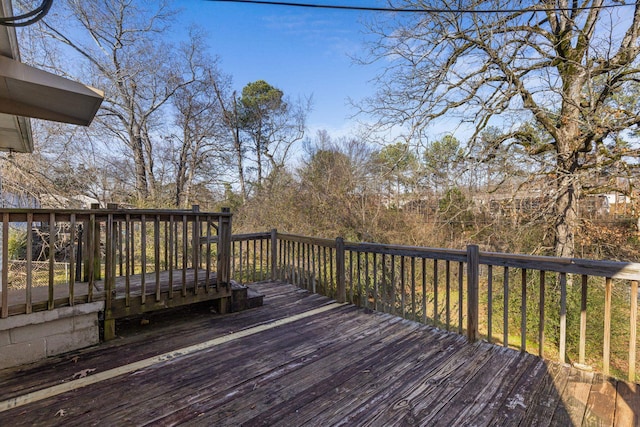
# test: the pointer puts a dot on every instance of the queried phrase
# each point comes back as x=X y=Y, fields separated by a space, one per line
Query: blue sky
x=304 y=52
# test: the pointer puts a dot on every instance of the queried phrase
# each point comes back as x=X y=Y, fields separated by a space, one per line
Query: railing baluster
x=424 y=291
x=143 y=259
x=128 y=259
x=185 y=254
x=247 y=255
x=563 y=317
x=402 y=287
x=505 y=303
x=167 y=244
x=156 y=255
x=5 y=266
x=583 y=321
x=606 y=347
x=633 y=318
x=413 y=289
x=207 y=275
x=376 y=293
x=383 y=296
x=341 y=291
x=255 y=252
x=29 y=307
x=261 y=260
x=72 y=261
x=448 y=292
x=460 y=295
x=92 y=240
x=392 y=287
x=308 y=271
x=170 y=261
x=523 y=311
x=52 y=258
x=351 y=277
x=542 y=320
x=490 y=303
x=280 y=256
x=473 y=279
x=120 y=243
x=435 y=292
x=361 y=300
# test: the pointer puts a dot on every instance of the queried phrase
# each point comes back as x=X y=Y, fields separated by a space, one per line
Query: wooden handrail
x=105 y=244
x=409 y=281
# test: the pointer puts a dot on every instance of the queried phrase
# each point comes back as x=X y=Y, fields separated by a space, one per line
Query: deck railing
x=574 y=310
x=56 y=258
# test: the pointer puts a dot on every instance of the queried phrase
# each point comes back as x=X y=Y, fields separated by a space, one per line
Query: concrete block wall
x=31 y=337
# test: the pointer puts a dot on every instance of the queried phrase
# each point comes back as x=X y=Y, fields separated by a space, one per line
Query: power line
x=424 y=10
x=27 y=18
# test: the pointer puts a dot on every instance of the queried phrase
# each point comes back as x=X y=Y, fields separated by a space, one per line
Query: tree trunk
x=566 y=206
x=142 y=190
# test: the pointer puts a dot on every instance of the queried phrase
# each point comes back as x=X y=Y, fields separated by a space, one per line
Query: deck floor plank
x=344 y=366
x=548 y=400
x=484 y=391
x=575 y=397
x=627 y=405
x=509 y=407
x=250 y=373
x=367 y=377
x=272 y=391
x=412 y=382
x=602 y=402
x=365 y=370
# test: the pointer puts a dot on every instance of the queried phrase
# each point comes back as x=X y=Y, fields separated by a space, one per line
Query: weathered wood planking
x=158 y=287
x=346 y=366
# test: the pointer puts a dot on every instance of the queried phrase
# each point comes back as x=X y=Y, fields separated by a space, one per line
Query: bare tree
x=568 y=66
x=120 y=48
x=200 y=148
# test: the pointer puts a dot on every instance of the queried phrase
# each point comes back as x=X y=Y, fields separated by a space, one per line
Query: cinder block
x=62 y=343
x=5 y=338
x=30 y=332
x=21 y=320
x=85 y=321
x=21 y=353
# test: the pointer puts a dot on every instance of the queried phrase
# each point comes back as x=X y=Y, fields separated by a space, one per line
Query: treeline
x=431 y=197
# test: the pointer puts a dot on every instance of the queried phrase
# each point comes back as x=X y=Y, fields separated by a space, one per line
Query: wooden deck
x=162 y=290
x=303 y=360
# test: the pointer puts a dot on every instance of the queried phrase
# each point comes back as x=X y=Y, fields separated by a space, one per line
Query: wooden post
x=109 y=280
x=473 y=273
x=340 y=273
x=274 y=254
x=224 y=248
x=95 y=244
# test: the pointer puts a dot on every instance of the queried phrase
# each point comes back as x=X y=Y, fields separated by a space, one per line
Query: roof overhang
x=27 y=92
x=15 y=132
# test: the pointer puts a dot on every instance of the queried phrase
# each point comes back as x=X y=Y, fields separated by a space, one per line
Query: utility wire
x=424 y=10
x=31 y=17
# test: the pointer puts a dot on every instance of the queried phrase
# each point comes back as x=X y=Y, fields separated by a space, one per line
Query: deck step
x=244 y=298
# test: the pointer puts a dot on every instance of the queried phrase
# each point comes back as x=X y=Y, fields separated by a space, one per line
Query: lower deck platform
x=302 y=359
x=132 y=295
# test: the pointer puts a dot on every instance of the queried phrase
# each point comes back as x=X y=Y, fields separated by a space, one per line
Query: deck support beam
x=109 y=328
